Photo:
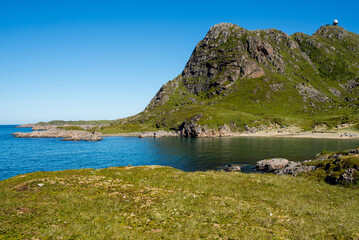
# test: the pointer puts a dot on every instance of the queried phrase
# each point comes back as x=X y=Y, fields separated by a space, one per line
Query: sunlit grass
x=162 y=202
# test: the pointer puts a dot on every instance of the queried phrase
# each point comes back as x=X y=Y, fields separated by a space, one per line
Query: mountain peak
x=331 y=31
x=223 y=26
x=222 y=29
x=248 y=80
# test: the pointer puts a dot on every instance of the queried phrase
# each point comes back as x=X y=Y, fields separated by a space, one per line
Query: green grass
x=74 y=123
x=126 y=128
x=71 y=128
x=162 y=202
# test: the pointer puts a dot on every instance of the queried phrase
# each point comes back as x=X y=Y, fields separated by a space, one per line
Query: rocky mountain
x=241 y=80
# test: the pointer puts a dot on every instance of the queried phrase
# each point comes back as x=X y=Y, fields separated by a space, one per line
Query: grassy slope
x=256 y=102
x=148 y=202
x=75 y=123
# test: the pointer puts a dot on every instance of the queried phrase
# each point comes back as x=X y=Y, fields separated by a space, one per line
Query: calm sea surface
x=24 y=155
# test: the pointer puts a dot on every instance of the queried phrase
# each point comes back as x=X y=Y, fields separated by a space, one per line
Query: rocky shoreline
x=282 y=166
x=187 y=129
x=334 y=167
x=78 y=135
x=340 y=167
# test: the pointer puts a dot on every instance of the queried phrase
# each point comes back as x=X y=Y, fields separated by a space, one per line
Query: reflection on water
x=210 y=153
x=19 y=156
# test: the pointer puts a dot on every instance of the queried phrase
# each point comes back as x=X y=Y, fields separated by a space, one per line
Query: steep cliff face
x=237 y=80
x=229 y=53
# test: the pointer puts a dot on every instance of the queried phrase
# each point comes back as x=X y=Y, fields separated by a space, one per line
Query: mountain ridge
x=239 y=79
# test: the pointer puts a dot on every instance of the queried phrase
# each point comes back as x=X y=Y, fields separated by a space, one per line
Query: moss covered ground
x=161 y=202
x=331 y=165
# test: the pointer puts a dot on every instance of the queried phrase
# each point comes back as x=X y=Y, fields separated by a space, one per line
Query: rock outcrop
x=338 y=167
x=282 y=166
x=272 y=165
x=229 y=53
x=192 y=129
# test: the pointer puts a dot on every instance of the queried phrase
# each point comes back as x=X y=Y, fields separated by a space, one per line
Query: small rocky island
x=67 y=135
x=82 y=132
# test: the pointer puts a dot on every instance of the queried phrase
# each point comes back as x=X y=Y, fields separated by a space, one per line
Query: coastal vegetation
x=70 y=128
x=152 y=202
x=74 y=123
x=336 y=167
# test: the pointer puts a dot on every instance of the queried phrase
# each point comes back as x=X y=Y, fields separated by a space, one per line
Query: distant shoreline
x=159 y=134
x=322 y=135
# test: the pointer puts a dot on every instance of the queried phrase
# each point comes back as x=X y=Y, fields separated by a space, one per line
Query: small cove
x=24 y=155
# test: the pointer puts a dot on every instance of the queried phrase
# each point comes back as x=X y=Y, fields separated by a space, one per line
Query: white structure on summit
x=335 y=22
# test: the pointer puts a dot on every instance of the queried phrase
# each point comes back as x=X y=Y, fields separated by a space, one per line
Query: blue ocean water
x=24 y=155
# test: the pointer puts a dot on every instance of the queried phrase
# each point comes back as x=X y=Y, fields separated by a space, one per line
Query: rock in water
x=232 y=168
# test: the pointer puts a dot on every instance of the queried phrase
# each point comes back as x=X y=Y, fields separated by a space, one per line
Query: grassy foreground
x=162 y=202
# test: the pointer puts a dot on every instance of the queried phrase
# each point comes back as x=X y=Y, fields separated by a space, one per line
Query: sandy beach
x=309 y=134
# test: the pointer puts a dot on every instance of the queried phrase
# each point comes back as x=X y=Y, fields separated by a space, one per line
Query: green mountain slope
x=237 y=80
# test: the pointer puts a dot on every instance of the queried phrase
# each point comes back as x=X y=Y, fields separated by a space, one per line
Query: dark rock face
x=228 y=53
x=190 y=128
x=350 y=175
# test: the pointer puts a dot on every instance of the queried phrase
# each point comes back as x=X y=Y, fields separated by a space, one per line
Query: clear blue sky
x=87 y=60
